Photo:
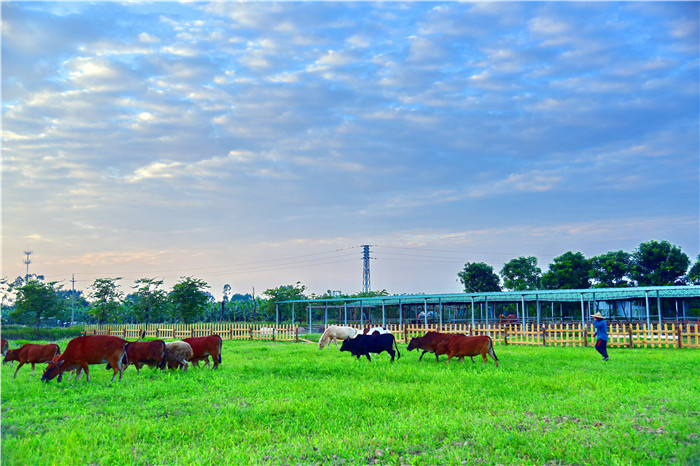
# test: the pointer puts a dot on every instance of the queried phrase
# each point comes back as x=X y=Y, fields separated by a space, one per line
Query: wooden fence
x=636 y=335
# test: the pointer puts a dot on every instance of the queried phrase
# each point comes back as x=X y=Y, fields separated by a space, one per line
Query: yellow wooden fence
x=667 y=335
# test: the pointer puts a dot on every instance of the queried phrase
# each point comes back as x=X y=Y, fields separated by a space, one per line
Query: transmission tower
x=27 y=261
x=366 y=288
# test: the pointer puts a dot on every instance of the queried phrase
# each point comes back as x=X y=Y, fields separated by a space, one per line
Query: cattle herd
x=116 y=352
x=119 y=353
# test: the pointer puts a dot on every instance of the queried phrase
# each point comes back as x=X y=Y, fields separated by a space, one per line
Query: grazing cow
x=4 y=346
x=178 y=354
x=428 y=343
x=203 y=347
x=460 y=346
x=85 y=350
x=33 y=354
x=365 y=344
x=140 y=353
x=334 y=333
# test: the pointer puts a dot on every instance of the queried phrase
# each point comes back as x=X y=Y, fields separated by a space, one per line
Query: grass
x=285 y=403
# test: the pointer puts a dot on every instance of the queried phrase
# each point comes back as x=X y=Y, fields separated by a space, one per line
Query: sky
x=262 y=144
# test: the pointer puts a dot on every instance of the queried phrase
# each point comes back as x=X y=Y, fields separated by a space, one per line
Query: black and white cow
x=362 y=345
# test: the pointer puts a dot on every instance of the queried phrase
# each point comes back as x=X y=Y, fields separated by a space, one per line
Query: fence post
x=678 y=334
x=296 y=334
x=585 y=336
x=405 y=333
x=505 y=335
x=191 y=332
x=629 y=333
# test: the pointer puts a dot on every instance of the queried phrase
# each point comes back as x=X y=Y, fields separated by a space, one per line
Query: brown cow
x=4 y=347
x=461 y=346
x=89 y=349
x=33 y=354
x=428 y=343
x=140 y=353
x=203 y=347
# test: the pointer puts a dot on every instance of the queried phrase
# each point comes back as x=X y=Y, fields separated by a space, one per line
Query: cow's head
x=12 y=355
x=413 y=344
x=347 y=345
x=52 y=370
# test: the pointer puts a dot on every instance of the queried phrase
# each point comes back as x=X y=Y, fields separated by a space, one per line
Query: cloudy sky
x=261 y=144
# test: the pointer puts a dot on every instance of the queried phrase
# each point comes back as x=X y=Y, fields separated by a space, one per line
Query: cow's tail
x=398 y=354
x=221 y=345
x=492 y=352
x=164 y=361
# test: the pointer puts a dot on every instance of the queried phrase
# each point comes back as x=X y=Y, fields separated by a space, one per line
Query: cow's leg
x=421 y=356
x=392 y=353
x=449 y=356
x=483 y=355
x=86 y=370
x=472 y=358
x=20 y=365
x=368 y=358
x=461 y=358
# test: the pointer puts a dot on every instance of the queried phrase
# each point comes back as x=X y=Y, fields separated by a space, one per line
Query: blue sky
x=259 y=144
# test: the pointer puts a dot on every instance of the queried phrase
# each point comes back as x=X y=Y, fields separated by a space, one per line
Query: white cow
x=334 y=333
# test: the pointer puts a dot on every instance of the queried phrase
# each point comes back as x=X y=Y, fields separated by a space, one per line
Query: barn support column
x=646 y=297
x=440 y=301
x=537 y=297
x=310 y=306
x=676 y=310
x=486 y=300
x=583 y=312
x=383 y=315
x=362 y=314
x=345 y=305
x=292 y=314
x=472 y=311
x=522 y=298
x=658 y=305
x=400 y=315
x=517 y=310
x=277 y=315
x=425 y=311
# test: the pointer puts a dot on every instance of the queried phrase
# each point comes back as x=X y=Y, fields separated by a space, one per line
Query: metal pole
x=325 y=307
x=658 y=305
x=472 y=311
x=292 y=314
x=583 y=312
x=425 y=311
x=346 y=312
x=440 y=300
x=277 y=315
x=383 y=315
x=538 y=310
x=400 y=316
x=646 y=295
x=362 y=314
x=309 y=317
x=522 y=297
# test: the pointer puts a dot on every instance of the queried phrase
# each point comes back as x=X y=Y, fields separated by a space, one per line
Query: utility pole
x=72 y=302
x=27 y=261
x=366 y=288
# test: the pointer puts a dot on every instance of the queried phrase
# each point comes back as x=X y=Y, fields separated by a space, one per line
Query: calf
x=365 y=344
x=33 y=354
x=4 y=346
x=89 y=349
x=460 y=346
x=140 y=353
x=203 y=347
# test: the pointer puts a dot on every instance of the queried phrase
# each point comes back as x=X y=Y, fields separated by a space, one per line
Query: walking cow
x=203 y=347
x=31 y=354
x=460 y=346
x=362 y=345
x=89 y=349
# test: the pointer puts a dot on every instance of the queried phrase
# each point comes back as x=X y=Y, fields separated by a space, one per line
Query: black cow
x=365 y=344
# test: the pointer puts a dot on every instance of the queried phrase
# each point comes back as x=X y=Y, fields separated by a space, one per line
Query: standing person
x=601 y=333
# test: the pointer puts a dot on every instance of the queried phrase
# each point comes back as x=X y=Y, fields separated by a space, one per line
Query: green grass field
x=289 y=403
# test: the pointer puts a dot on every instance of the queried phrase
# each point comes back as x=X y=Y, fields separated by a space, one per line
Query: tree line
x=653 y=263
x=36 y=302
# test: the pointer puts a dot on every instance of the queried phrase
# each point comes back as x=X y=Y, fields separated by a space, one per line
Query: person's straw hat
x=598 y=315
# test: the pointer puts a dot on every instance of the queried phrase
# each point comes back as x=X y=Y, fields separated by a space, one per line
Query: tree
x=189 y=300
x=281 y=293
x=568 y=271
x=149 y=302
x=106 y=299
x=521 y=274
x=478 y=277
x=611 y=269
x=694 y=273
x=35 y=301
x=657 y=263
